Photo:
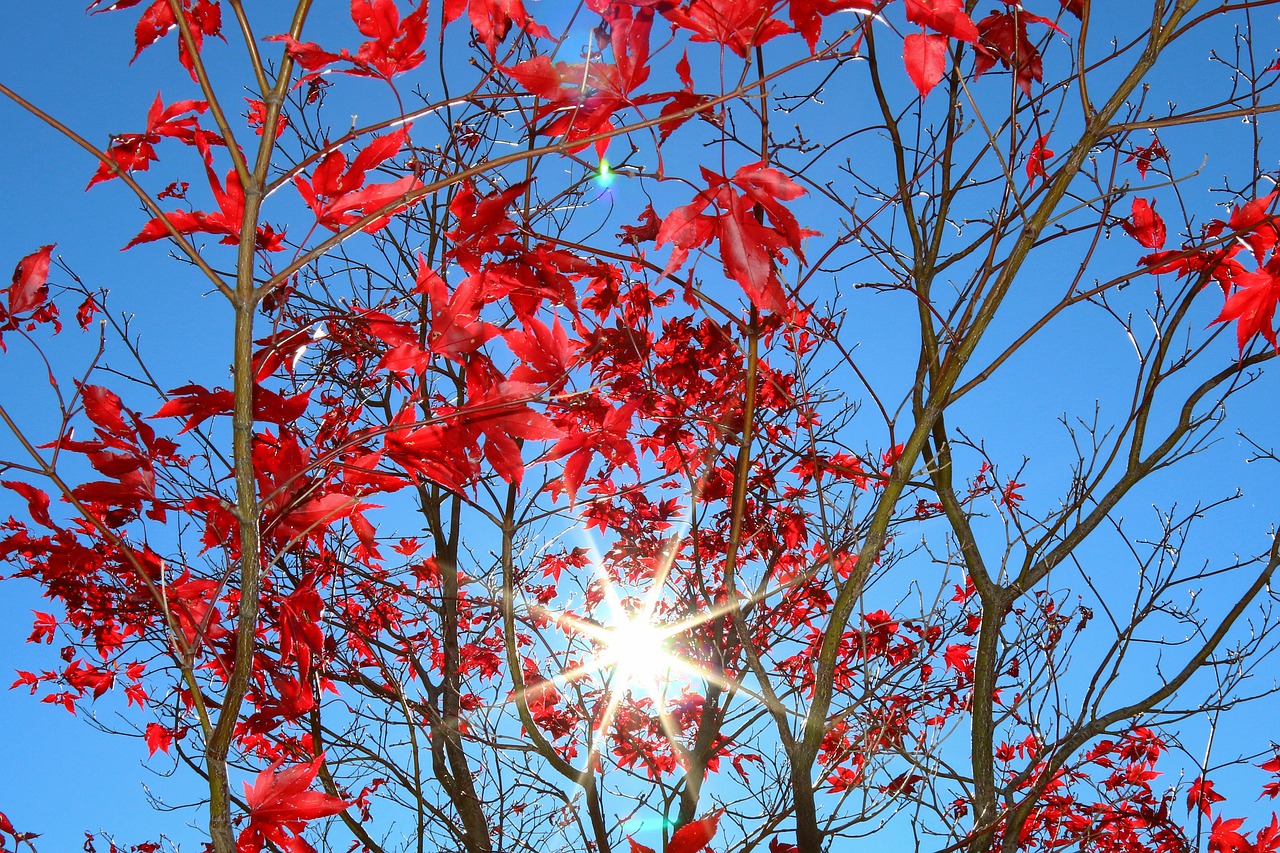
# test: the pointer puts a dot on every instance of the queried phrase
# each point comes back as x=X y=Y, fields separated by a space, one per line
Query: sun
x=637 y=651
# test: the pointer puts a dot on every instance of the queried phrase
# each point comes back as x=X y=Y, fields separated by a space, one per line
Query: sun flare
x=637 y=652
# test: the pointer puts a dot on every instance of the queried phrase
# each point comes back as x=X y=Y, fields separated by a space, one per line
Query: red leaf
x=1035 y=160
x=1255 y=225
x=747 y=250
x=645 y=231
x=684 y=73
x=492 y=19
x=1145 y=226
x=926 y=59
x=538 y=76
x=155 y=22
x=37 y=501
x=1201 y=795
x=106 y=410
x=1224 y=838
x=943 y=16
x=695 y=835
x=958 y=657
x=1253 y=306
x=158 y=738
x=1146 y=155
x=394 y=45
x=311 y=56
x=481 y=222
x=30 y=281
x=1004 y=38
x=281 y=803
x=739 y=25
x=637 y=847
x=545 y=354
x=336 y=190
x=44 y=629
x=1269 y=838
x=807 y=15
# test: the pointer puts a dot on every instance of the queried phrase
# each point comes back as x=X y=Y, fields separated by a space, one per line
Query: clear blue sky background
x=58 y=776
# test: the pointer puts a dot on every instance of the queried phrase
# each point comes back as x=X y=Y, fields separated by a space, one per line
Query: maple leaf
x=456 y=328
x=284 y=348
x=497 y=409
x=958 y=656
x=1201 y=795
x=309 y=55
x=539 y=76
x=28 y=295
x=807 y=15
x=606 y=435
x=1146 y=155
x=582 y=98
x=257 y=118
x=694 y=835
x=690 y=838
x=337 y=194
x=1224 y=838
x=1035 y=160
x=739 y=25
x=435 y=451
x=944 y=16
x=1268 y=840
x=301 y=637
x=37 y=501
x=280 y=805
x=926 y=60
x=226 y=220
x=197 y=404
x=748 y=248
x=18 y=837
x=493 y=19
x=482 y=221
x=1003 y=38
x=1145 y=225
x=645 y=231
x=29 y=288
x=203 y=18
x=159 y=738
x=546 y=354
x=1255 y=225
x=1253 y=305
x=135 y=152
x=394 y=45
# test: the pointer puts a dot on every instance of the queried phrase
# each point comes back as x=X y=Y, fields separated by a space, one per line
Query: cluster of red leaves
x=1251 y=295
x=582 y=98
x=203 y=18
x=665 y=389
x=749 y=249
x=393 y=44
x=337 y=193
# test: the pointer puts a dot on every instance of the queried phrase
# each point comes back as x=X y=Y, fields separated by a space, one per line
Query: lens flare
x=637 y=652
x=605 y=176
